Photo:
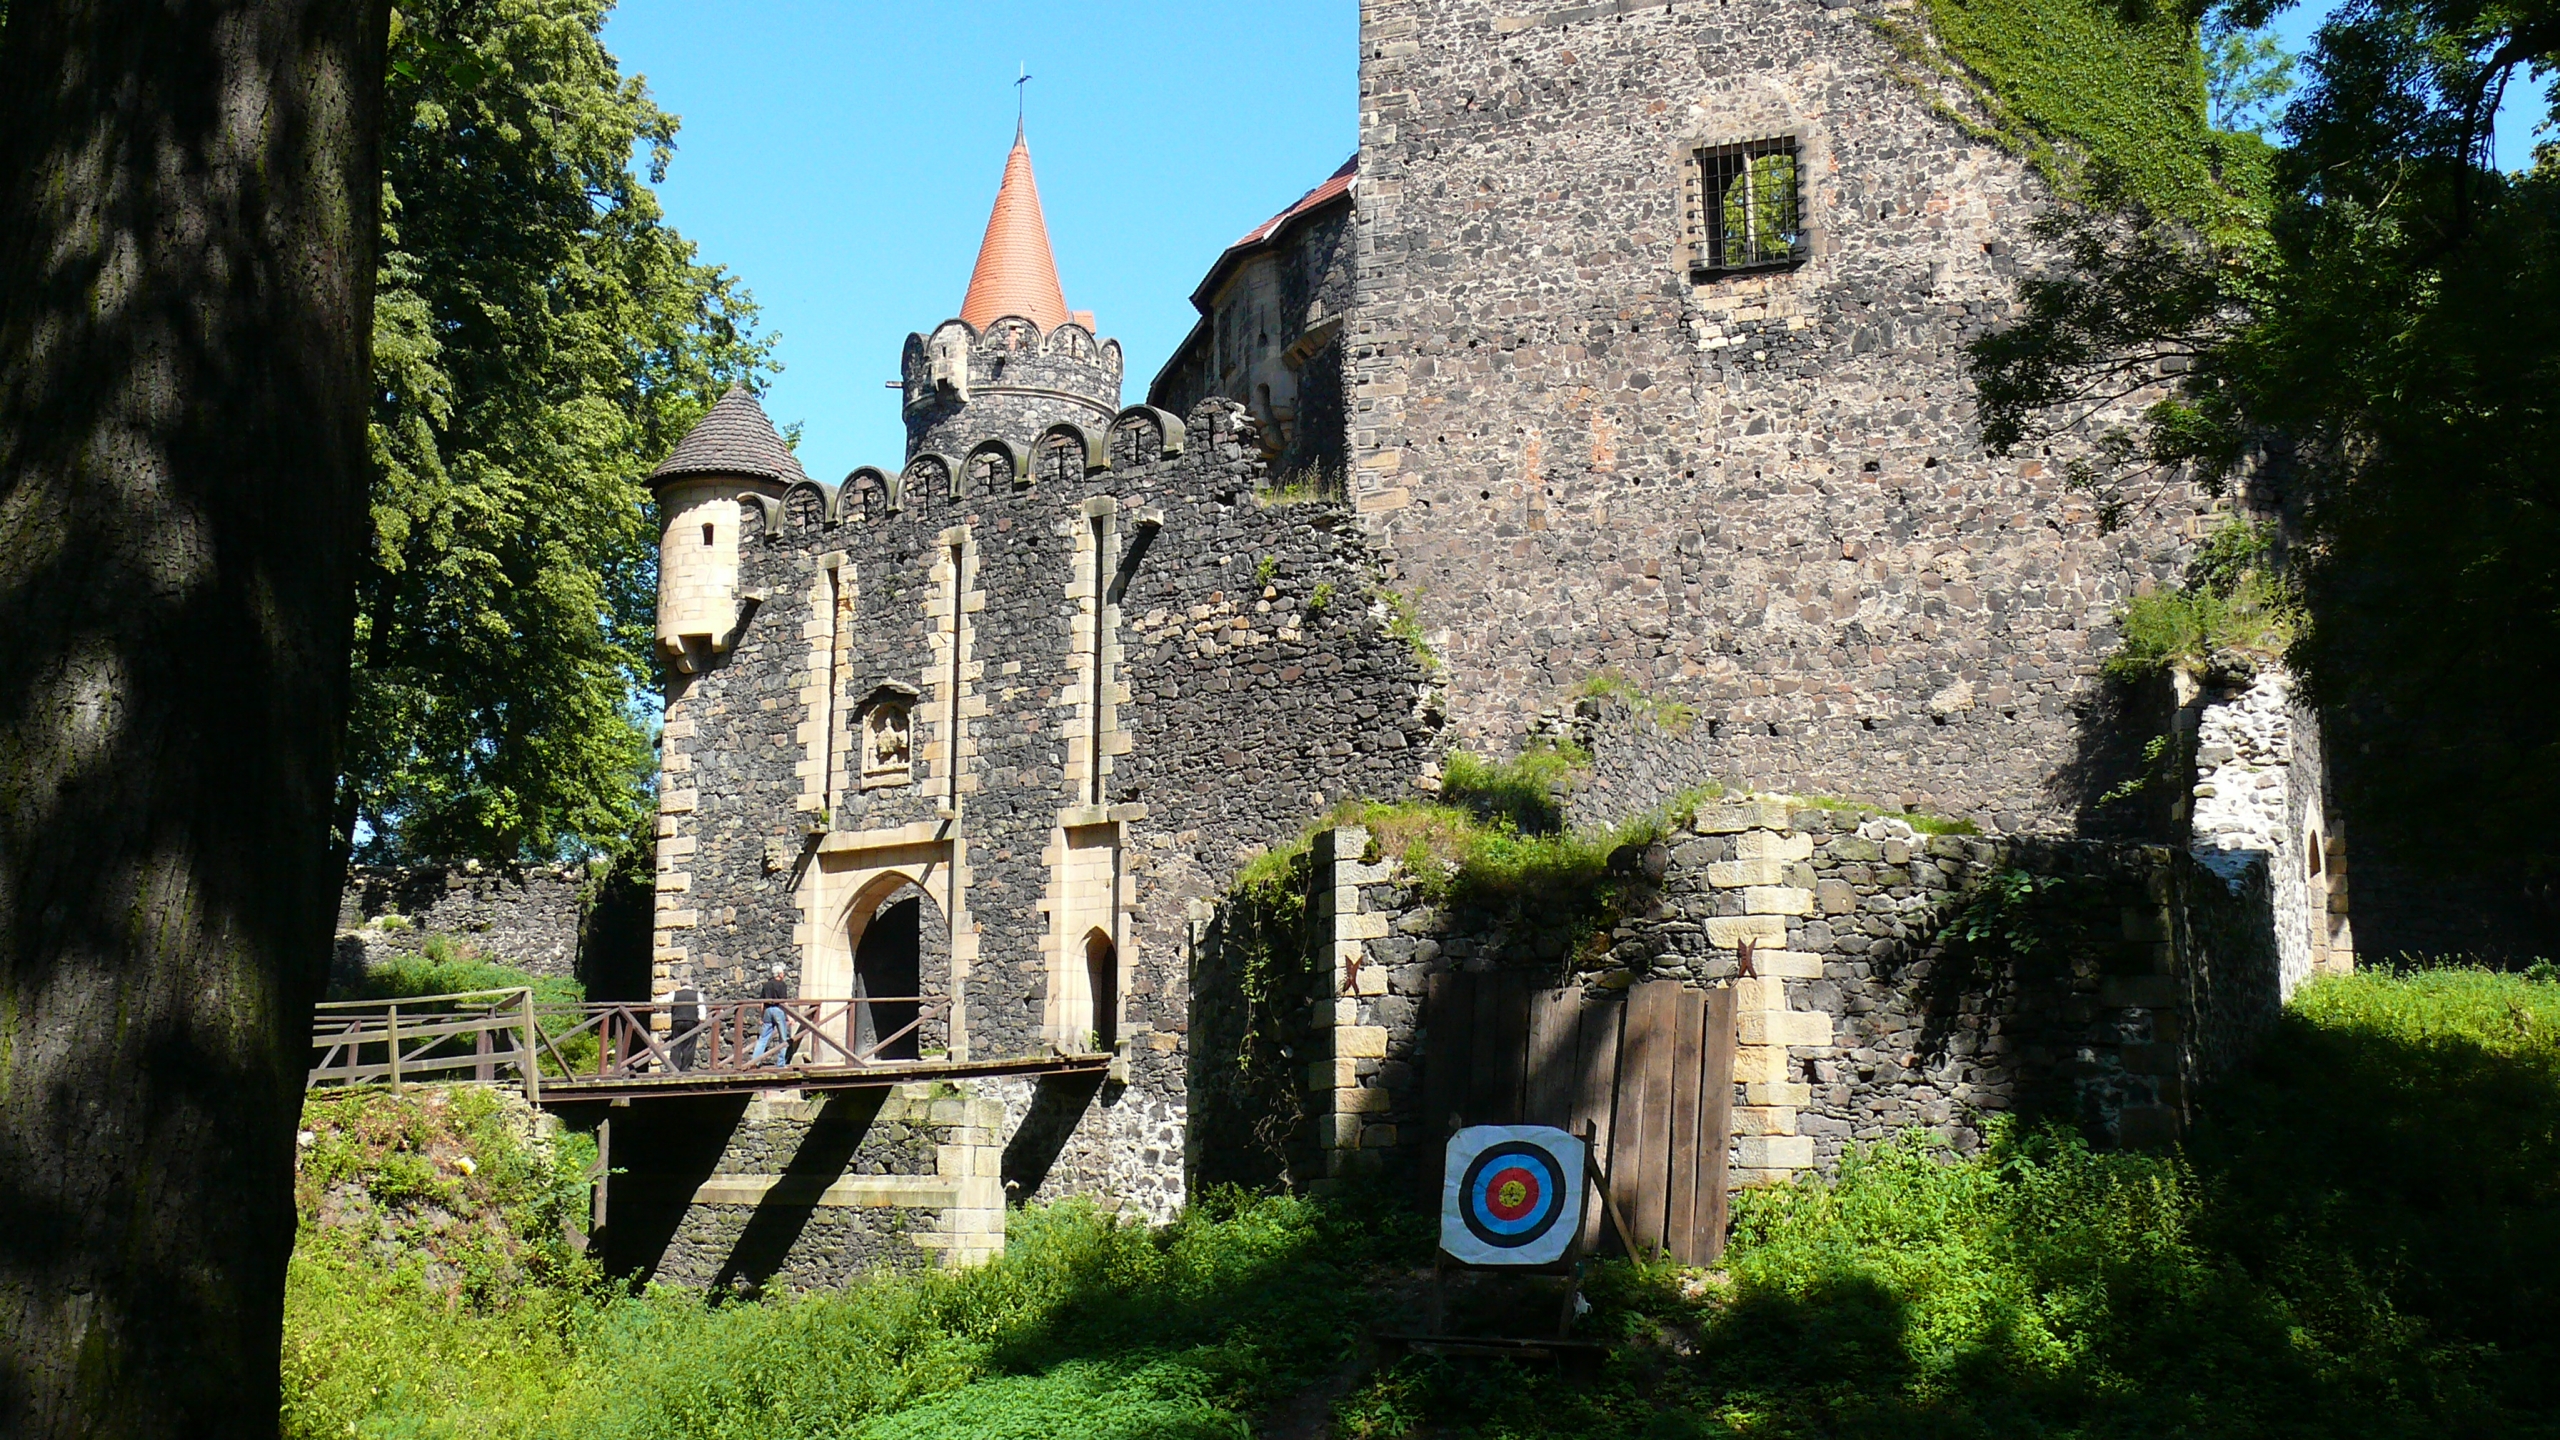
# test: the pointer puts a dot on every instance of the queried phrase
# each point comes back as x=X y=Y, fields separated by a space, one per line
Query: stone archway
x=888 y=948
x=1101 y=992
x=888 y=977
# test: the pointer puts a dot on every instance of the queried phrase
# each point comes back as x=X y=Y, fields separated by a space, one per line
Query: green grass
x=1404 y=622
x=1920 y=823
x=2362 y=1239
x=2232 y=599
x=446 y=966
x=1672 y=715
x=1527 y=794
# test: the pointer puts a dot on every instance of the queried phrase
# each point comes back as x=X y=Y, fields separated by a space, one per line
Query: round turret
x=704 y=491
x=1016 y=361
x=1010 y=382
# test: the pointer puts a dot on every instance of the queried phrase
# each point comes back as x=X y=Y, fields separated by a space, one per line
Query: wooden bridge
x=614 y=1050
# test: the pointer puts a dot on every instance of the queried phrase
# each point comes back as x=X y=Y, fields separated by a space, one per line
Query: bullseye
x=1511 y=1194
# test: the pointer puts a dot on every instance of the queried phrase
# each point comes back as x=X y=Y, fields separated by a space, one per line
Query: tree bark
x=188 y=194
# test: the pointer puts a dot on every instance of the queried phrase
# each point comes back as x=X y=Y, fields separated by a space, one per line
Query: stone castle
x=1627 y=346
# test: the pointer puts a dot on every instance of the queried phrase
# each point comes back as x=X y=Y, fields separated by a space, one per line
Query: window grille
x=1749 y=206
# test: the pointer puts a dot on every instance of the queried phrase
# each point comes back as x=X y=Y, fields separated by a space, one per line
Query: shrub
x=1526 y=794
x=1673 y=715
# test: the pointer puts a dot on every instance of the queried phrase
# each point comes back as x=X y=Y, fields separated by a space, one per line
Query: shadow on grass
x=2362 y=1239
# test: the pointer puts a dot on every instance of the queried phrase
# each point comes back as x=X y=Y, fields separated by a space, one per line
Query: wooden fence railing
x=487 y=1032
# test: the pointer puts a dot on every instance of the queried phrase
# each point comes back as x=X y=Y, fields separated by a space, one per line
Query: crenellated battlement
x=1010 y=381
x=1062 y=454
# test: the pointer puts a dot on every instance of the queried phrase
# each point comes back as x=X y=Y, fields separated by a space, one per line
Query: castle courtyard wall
x=2114 y=983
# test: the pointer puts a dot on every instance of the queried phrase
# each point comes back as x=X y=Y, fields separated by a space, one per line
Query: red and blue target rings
x=1512 y=1194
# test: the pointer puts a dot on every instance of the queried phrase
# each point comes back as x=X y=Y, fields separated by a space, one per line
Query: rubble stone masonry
x=1860 y=1017
x=1761 y=493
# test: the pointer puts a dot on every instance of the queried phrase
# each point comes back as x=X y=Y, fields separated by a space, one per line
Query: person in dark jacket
x=683 y=1023
x=777 y=1021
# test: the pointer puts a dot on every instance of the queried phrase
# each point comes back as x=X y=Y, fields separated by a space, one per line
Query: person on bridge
x=777 y=1021
x=686 y=1025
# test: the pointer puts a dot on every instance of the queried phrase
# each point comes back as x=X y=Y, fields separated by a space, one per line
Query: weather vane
x=1019 y=92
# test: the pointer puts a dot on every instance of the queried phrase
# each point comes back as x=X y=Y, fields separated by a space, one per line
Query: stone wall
x=1761 y=494
x=2113 y=981
x=2260 y=803
x=532 y=919
x=807 y=1193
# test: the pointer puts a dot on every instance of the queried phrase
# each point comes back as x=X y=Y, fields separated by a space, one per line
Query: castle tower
x=1016 y=360
x=703 y=491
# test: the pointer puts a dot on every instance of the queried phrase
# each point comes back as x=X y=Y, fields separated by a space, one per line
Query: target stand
x=1513 y=1199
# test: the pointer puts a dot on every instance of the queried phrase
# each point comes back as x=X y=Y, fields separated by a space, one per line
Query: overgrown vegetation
x=1402 y=615
x=434 y=1288
x=1526 y=793
x=2092 y=93
x=2381 y=346
x=2361 y=1240
x=2234 y=599
x=1673 y=715
x=446 y=966
x=1921 y=823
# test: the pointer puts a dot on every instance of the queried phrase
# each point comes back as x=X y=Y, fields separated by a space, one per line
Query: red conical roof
x=1016 y=275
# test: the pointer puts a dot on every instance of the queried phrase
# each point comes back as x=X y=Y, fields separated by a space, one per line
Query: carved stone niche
x=886 y=737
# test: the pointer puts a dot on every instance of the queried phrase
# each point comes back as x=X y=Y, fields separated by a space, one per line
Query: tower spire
x=1016 y=275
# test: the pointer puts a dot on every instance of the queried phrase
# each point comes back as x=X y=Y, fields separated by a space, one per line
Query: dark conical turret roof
x=735 y=438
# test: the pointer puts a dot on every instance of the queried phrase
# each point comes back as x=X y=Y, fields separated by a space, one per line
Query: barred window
x=1749 y=206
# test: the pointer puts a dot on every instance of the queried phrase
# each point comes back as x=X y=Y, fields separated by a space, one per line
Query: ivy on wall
x=2092 y=94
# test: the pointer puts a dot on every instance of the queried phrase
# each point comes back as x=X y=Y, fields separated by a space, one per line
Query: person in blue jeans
x=777 y=1021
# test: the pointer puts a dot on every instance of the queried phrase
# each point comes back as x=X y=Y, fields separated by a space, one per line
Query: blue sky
x=841 y=158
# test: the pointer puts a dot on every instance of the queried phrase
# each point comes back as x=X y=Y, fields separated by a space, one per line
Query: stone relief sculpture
x=887 y=758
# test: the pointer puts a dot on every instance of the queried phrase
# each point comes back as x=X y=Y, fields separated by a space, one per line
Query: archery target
x=1511 y=1195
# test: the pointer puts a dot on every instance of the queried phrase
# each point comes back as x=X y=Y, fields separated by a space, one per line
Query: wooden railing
x=353 y=1041
x=489 y=1031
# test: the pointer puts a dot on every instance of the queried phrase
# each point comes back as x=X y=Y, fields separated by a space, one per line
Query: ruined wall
x=2261 y=804
x=1763 y=494
x=2115 y=980
x=531 y=919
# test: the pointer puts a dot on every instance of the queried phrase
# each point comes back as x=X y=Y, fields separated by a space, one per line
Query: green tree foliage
x=2385 y=347
x=2247 y=74
x=541 y=335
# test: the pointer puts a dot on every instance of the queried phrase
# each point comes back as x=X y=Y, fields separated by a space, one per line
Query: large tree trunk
x=187 y=232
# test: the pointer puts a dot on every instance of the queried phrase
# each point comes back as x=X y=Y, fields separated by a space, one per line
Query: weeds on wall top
x=1920 y=822
x=1402 y=616
x=2233 y=600
x=1672 y=715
